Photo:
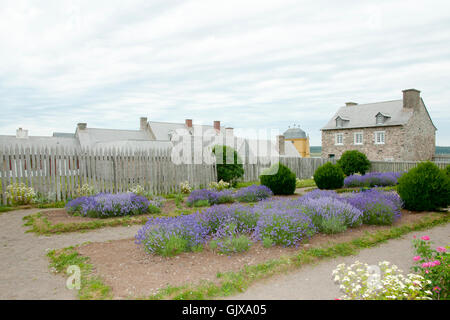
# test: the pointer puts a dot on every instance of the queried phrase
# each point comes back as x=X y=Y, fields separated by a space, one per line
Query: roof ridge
x=364 y=104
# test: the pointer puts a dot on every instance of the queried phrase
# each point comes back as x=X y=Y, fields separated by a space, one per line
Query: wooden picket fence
x=397 y=166
x=57 y=172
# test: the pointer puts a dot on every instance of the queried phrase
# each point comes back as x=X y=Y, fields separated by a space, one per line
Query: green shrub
x=281 y=181
x=424 y=187
x=329 y=176
x=353 y=161
x=447 y=170
x=228 y=163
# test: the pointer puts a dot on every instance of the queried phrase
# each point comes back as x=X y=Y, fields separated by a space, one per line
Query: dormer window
x=381 y=118
x=340 y=122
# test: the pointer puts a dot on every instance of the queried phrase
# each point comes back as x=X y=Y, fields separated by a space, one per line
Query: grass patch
x=305 y=183
x=242 y=184
x=235 y=282
x=40 y=224
x=92 y=287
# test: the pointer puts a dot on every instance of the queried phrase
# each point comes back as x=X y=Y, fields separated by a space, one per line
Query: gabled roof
x=162 y=130
x=93 y=137
x=363 y=115
x=38 y=141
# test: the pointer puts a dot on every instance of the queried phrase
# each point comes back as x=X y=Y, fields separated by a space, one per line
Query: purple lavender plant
x=378 y=207
x=253 y=193
x=104 y=205
x=372 y=179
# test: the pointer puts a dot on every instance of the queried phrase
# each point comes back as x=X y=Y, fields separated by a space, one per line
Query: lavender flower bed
x=105 y=205
x=248 y=194
x=212 y=196
x=373 y=179
x=253 y=193
x=285 y=222
x=378 y=207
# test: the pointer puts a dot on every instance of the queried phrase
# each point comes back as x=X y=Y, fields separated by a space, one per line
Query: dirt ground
x=131 y=272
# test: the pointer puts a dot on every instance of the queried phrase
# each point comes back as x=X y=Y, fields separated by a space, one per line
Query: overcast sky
x=250 y=64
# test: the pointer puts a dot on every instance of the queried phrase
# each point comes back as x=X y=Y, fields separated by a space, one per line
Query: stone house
x=398 y=130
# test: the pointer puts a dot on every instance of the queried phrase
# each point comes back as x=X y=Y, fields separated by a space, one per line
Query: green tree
x=353 y=161
x=228 y=163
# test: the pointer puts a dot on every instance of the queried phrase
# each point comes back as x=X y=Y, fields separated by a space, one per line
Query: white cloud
x=247 y=63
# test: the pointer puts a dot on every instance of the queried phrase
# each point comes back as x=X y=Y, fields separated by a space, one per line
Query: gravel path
x=25 y=273
x=314 y=282
x=23 y=262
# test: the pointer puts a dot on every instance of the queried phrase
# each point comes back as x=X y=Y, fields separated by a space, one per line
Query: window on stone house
x=379 y=137
x=339 y=139
x=358 y=138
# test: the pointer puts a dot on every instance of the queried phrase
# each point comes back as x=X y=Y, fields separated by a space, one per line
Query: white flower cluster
x=185 y=187
x=85 y=190
x=360 y=281
x=219 y=186
x=19 y=193
x=137 y=190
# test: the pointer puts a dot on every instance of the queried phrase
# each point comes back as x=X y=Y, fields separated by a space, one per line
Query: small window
x=379 y=137
x=331 y=156
x=339 y=139
x=380 y=119
x=339 y=122
x=358 y=138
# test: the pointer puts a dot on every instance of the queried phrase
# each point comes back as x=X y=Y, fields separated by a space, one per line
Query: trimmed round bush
x=329 y=176
x=281 y=181
x=424 y=187
x=353 y=161
x=228 y=163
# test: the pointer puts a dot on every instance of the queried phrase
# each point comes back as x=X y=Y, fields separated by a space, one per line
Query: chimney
x=411 y=99
x=188 y=123
x=217 y=125
x=280 y=144
x=21 y=134
x=143 y=123
x=350 y=104
x=81 y=126
x=229 y=131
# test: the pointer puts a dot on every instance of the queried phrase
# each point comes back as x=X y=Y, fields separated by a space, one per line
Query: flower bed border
x=235 y=282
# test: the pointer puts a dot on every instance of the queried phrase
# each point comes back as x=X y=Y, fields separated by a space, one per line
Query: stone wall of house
x=392 y=149
x=420 y=136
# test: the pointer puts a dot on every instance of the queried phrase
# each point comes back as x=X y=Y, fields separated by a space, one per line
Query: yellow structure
x=300 y=140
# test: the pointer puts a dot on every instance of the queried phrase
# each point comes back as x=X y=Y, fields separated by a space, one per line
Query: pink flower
x=425 y=265
x=426 y=238
x=437 y=289
x=414 y=237
x=436 y=263
x=416 y=258
x=441 y=249
x=427 y=271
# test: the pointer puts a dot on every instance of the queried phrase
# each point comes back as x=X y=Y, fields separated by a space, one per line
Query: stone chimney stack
x=82 y=126
x=143 y=123
x=411 y=99
x=21 y=134
x=217 y=125
x=280 y=144
x=188 y=123
x=351 y=104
